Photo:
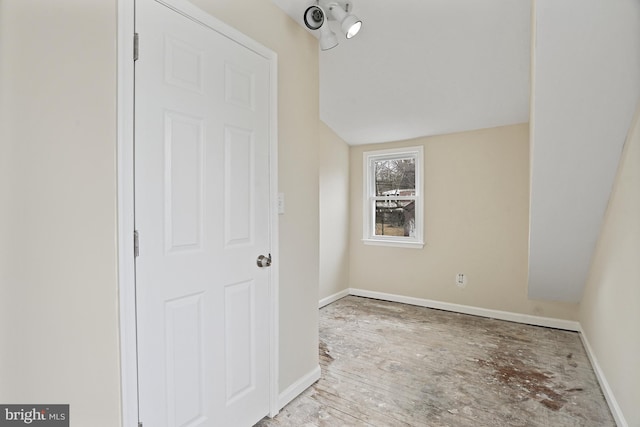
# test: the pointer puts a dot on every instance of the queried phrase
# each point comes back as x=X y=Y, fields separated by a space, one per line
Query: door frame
x=125 y=198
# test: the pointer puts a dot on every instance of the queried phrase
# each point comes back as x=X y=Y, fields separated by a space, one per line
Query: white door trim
x=126 y=265
x=125 y=187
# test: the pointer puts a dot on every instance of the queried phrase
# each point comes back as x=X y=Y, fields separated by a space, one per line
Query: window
x=393 y=197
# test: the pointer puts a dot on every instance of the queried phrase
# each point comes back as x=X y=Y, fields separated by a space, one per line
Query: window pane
x=392 y=184
x=395 y=177
x=395 y=218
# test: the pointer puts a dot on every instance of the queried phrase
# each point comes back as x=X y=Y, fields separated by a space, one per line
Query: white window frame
x=369 y=198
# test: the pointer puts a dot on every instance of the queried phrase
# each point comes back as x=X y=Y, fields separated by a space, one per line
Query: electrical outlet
x=461 y=280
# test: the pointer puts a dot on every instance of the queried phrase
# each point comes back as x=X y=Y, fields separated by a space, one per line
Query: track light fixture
x=315 y=18
x=349 y=23
x=328 y=38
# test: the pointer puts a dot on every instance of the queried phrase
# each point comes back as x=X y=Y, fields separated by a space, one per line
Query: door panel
x=202 y=212
x=239 y=196
x=240 y=335
x=184 y=359
x=184 y=177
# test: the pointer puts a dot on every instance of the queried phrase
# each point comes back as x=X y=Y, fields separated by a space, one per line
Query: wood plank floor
x=390 y=364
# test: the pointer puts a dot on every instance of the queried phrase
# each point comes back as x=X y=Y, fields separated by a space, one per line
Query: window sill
x=394 y=243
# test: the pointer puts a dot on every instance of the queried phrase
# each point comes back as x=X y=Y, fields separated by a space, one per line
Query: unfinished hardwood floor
x=390 y=364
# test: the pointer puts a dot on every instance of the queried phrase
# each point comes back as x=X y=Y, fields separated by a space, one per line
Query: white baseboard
x=604 y=385
x=295 y=389
x=550 y=322
x=332 y=298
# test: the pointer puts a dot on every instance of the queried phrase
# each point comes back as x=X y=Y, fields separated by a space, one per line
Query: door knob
x=264 y=261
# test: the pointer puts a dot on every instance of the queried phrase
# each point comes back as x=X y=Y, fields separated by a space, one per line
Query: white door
x=202 y=211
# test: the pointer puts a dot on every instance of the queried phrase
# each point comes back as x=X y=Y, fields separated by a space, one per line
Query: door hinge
x=136 y=243
x=135 y=46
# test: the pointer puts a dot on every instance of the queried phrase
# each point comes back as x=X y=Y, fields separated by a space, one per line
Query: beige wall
x=610 y=308
x=58 y=308
x=334 y=213
x=298 y=172
x=476 y=222
x=58 y=296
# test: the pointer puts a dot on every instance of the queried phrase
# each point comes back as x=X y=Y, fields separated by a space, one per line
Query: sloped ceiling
x=586 y=88
x=427 y=67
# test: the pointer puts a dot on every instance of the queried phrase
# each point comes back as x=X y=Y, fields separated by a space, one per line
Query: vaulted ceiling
x=428 y=67
x=425 y=67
